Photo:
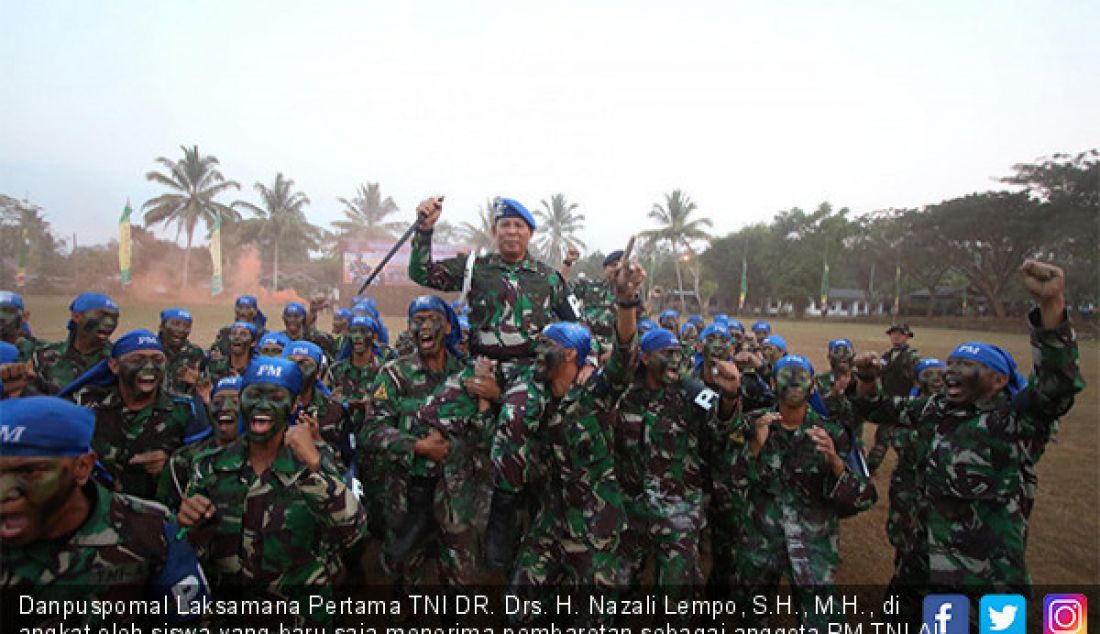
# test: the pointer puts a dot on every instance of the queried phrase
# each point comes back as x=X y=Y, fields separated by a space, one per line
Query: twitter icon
x=1003 y=614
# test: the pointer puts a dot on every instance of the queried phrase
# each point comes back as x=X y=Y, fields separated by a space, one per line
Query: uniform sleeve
x=173 y=479
x=851 y=492
x=620 y=366
x=743 y=466
x=1055 y=380
x=445 y=275
x=180 y=580
x=381 y=426
x=334 y=504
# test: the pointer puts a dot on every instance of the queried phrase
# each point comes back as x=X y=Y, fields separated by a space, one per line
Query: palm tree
x=479 y=236
x=279 y=217
x=366 y=214
x=195 y=181
x=678 y=230
x=559 y=228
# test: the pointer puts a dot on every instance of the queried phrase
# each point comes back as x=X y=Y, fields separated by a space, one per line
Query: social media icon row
x=1004 y=614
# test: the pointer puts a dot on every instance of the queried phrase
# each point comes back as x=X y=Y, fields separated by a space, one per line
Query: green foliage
x=559 y=225
x=280 y=226
x=365 y=215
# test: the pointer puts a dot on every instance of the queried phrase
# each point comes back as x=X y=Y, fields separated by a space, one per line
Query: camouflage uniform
x=59 y=364
x=793 y=505
x=221 y=342
x=663 y=443
x=188 y=355
x=332 y=422
x=599 y=311
x=121 y=433
x=325 y=341
x=26 y=345
x=222 y=368
x=898 y=378
x=177 y=472
x=978 y=480
x=278 y=533
x=390 y=431
x=575 y=538
x=509 y=306
x=125 y=550
x=840 y=408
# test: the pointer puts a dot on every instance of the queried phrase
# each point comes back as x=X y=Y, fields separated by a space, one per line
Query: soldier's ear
x=82 y=468
x=112 y=365
x=571 y=356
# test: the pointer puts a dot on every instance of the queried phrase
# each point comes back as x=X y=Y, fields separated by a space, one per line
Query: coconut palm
x=479 y=236
x=366 y=214
x=558 y=228
x=678 y=229
x=280 y=219
x=195 y=182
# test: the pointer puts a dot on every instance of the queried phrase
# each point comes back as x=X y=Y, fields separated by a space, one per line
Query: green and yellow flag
x=124 y=245
x=824 y=284
x=744 y=283
x=216 y=285
x=21 y=273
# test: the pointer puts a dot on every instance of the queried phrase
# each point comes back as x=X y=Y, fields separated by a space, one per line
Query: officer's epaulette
x=702 y=396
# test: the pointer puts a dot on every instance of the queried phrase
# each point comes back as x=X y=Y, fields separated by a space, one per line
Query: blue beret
x=659 y=339
x=508 y=208
x=928 y=362
x=993 y=357
x=247 y=325
x=276 y=337
x=45 y=426
x=344 y=313
x=436 y=304
x=248 y=300
x=91 y=301
x=571 y=335
x=836 y=343
x=761 y=325
x=717 y=328
x=295 y=308
x=775 y=340
x=175 y=313
x=613 y=257
x=140 y=339
x=8 y=298
x=796 y=360
x=307 y=348
x=8 y=353
x=273 y=370
x=228 y=383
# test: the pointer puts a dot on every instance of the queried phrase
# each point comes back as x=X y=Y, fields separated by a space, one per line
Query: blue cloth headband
x=45 y=426
x=8 y=298
x=795 y=360
x=775 y=340
x=659 y=339
x=175 y=313
x=436 y=304
x=294 y=308
x=275 y=371
x=995 y=358
x=571 y=335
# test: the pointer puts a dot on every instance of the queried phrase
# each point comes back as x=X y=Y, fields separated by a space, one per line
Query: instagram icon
x=1065 y=614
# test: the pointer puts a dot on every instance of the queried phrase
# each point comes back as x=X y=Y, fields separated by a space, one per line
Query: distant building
x=847 y=302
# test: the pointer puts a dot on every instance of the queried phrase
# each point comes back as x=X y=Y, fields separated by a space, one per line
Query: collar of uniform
x=91 y=532
x=69 y=350
x=235 y=457
x=162 y=402
x=528 y=261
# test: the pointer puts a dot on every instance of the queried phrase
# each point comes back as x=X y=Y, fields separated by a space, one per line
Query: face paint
x=176 y=331
x=224 y=407
x=98 y=325
x=550 y=355
x=931 y=380
x=142 y=371
x=266 y=409
x=32 y=490
x=240 y=339
x=963 y=381
x=339 y=325
x=668 y=323
x=244 y=313
x=293 y=324
x=360 y=339
x=690 y=335
x=771 y=353
x=840 y=354
x=11 y=321
x=427 y=327
x=308 y=367
x=792 y=385
x=665 y=365
x=716 y=347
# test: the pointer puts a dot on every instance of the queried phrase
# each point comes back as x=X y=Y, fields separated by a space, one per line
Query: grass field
x=1065 y=524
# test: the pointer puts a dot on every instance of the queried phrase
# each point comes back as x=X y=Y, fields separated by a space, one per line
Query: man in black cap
x=599 y=304
x=897 y=378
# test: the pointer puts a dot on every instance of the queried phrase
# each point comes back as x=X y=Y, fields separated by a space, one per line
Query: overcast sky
x=749 y=107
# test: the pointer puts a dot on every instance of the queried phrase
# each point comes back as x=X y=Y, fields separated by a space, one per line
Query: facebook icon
x=946 y=614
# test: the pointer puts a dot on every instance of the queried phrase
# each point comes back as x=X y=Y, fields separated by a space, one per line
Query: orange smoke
x=244 y=277
x=160 y=283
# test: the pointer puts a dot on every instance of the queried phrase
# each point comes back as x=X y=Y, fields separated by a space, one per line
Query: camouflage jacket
x=391 y=426
x=125 y=550
x=899 y=374
x=277 y=531
x=325 y=341
x=216 y=370
x=333 y=422
x=793 y=499
x=979 y=476
x=120 y=434
x=188 y=355
x=509 y=303
x=26 y=346
x=599 y=310
x=840 y=408
x=59 y=364
x=353 y=382
x=177 y=472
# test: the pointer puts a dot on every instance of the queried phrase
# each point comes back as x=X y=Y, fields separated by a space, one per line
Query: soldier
x=772 y=349
x=64 y=537
x=295 y=318
x=986 y=431
x=598 y=299
x=186 y=361
x=94 y=319
x=898 y=379
x=512 y=297
x=789 y=461
x=225 y=406
x=245 y=309
x=272 y=344
x=666 y=434
x=138 y=423
x=240 y=351
x=13 y=328
x=316 y=401
x=269 y=512
x=340 y=320
x=831 y=385
x=669 y=319
x=368 y=306
x=393 y=432
x=760 y=330
x=645 y=325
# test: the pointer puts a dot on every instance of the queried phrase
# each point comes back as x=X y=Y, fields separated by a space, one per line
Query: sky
x=749 y=107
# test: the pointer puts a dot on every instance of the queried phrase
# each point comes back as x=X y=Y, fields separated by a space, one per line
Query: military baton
x=397 y=245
